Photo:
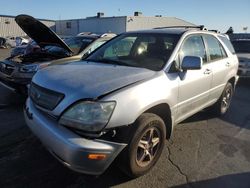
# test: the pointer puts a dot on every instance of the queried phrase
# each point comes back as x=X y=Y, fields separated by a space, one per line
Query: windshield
x=76 y=44
x=241 y=46
x=150 y=51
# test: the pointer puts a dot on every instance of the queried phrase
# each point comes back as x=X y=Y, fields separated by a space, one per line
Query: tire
x=147 y=140
x=221 y=107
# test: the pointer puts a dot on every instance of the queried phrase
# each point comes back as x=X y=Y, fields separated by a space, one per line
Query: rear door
x=219 y=63
x=194 y=85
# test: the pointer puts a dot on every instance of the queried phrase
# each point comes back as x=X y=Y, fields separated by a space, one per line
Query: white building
x=8 y=26
x=120 y=24
x=96 y=24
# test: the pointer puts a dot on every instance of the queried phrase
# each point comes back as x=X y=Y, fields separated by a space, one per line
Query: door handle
x=207 y=71
x=227 y=64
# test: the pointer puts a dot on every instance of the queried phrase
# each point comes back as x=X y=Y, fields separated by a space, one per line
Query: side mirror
x=191 y=63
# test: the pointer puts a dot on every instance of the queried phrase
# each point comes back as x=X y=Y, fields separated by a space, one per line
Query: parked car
x=124 y=99
x=2 y=42
x=242 y=49
x=6 y=42
x=25 y=49
x=17 y=71
x=10 y=42
x=21 y=41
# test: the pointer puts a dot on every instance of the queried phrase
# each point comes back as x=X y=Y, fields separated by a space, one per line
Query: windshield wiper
x=111 y=61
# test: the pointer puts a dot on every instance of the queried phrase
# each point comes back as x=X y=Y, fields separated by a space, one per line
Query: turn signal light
x=97 y=156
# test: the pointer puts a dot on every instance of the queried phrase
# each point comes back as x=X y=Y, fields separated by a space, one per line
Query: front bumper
x=69 y=148
x=14 y=83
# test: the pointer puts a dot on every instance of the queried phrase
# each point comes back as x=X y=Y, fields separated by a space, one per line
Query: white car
x=123 y=100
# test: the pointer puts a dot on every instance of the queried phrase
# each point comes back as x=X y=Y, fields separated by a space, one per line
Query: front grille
x=45 y=98
x=6 y=69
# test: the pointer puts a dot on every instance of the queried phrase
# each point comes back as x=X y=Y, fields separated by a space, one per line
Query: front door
x=194 y=85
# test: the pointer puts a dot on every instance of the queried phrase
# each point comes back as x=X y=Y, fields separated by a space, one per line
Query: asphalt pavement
x=205 y=151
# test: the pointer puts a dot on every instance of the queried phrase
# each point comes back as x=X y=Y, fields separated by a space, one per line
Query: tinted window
x=228 y=44
x=241 y=46
x=193 y=46
x=215 y=49
x=150 y=51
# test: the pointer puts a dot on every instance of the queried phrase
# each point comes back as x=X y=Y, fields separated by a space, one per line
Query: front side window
x=193 y=46
x=215 y=49
x=145 y=50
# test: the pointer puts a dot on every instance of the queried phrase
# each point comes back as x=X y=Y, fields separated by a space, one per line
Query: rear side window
x=215 y=49
x=228 y=44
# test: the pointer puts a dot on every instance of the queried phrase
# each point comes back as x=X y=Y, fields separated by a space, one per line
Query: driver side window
x=193 y=46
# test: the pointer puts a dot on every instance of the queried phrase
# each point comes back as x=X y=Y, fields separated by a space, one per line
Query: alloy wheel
x=148 y=147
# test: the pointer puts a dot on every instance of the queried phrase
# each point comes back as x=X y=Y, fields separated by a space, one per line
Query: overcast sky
x=214 y=14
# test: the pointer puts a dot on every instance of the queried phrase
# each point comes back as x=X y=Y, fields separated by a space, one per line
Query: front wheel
x=222 y=105
x=145 y=146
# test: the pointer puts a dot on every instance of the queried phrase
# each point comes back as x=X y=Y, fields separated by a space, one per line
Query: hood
x=82 y=80
x=40 y=33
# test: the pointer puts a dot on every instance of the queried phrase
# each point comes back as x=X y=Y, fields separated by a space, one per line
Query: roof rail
x=84 y=33
x=201 y=27
x=108 y=35
x=214 y=30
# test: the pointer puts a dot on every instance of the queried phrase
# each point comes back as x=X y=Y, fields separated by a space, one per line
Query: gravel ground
x=205 y=151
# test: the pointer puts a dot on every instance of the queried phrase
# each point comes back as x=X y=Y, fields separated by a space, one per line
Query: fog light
x=97 y=156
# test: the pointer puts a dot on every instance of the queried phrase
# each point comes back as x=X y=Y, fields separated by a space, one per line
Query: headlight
x=33 y=67
x=88 y=116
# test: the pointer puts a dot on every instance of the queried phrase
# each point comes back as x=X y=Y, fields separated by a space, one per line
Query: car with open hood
x=17 y=71
x=124 y=99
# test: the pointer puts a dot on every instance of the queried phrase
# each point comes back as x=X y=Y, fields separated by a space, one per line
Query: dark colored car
x=242 y=49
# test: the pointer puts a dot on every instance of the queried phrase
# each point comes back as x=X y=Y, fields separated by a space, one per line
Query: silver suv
x=125 y=98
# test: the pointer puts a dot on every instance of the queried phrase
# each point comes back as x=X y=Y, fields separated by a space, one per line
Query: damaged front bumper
x=69 y=148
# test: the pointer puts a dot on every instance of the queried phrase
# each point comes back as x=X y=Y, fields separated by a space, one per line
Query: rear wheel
x=145 y=146
x=222 y=105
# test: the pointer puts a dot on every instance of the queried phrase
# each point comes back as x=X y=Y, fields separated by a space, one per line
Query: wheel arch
x=232 y=81
x=164 y=112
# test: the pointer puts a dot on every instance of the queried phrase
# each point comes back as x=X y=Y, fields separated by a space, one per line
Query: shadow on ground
x=29 y=164
x=233 y=181
x=239 y=106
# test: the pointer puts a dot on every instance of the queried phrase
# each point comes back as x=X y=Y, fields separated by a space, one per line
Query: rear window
x=241 y=46
x=228 y=44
